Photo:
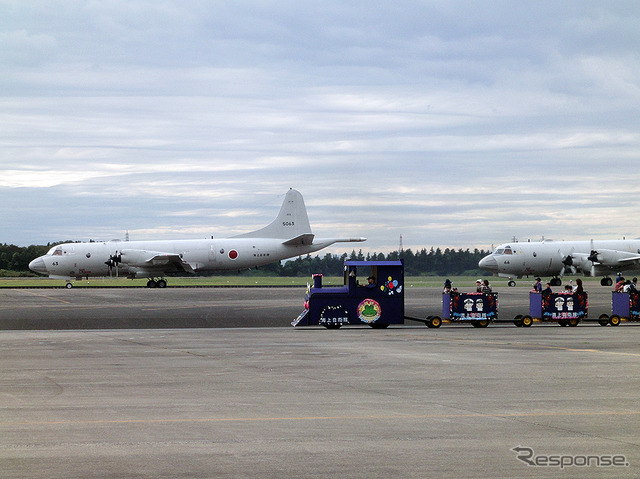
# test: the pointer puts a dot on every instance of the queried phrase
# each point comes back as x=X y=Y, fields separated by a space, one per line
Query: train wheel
x=434 y=322
x=526 y=321
x=518 y=320
x=573 y=322
x=481 y=324
x=614 y=320
x=603 y=320
x=379 y=326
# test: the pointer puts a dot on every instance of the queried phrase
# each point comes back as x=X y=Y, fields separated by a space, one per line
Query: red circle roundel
x=233 y=254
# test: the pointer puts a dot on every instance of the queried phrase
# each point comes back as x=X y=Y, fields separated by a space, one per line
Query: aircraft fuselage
x=91 y=259
x=551 y=258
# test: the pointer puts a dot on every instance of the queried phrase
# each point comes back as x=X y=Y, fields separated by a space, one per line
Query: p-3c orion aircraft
x=289 y=235
x=555 y=258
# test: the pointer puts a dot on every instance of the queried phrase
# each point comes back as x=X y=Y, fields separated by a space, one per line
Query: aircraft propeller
x=112 y=262
x=593 y=257
x=568 y=262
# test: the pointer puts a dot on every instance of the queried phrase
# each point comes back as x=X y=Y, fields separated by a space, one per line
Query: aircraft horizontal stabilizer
x=303 y=239
x=349 y=240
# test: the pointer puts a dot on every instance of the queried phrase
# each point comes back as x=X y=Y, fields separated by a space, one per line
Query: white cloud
x=452 y=123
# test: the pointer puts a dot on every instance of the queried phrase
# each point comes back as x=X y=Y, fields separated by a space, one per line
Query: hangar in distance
x=557 y=258
x=289 y=235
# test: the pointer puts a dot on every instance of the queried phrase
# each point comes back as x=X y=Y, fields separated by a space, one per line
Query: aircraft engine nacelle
x=138 y=257
x=608 y=257
x=582 y=263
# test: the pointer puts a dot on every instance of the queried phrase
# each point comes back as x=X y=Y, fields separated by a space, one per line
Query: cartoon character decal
x=557 y=306
x=369 y=311
x=473 y=306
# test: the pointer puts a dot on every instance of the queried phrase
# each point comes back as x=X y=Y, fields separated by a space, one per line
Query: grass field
x=461 y=282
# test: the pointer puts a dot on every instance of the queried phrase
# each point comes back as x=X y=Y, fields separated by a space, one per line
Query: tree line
x=432 y=262
x=14 y=261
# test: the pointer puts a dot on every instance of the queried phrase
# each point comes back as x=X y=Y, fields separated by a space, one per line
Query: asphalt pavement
x=247 y=400
x=126 y=308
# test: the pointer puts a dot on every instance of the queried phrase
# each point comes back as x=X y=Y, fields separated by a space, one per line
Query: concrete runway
x=280 y=402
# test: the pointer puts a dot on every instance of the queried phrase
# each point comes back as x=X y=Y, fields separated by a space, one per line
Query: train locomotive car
x=376 y=302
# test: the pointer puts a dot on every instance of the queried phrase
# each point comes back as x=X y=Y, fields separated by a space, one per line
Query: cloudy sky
x=454 y=124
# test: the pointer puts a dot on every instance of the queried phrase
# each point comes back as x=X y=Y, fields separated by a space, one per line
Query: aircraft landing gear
x=555 y=281
x=606 y=281
x=161 y=283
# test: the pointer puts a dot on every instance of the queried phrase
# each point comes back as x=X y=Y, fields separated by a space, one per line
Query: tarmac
x=242 y=394
x=126 y=308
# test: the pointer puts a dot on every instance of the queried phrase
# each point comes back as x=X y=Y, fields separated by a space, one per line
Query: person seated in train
x=537 y=286
x=578 y=288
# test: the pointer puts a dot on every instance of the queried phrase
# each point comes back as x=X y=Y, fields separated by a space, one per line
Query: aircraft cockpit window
x=499 y=251
x=55 y=251
x=508 y=250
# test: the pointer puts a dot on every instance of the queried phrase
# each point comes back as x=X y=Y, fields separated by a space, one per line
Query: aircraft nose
x=38 y=266
x=489 y=263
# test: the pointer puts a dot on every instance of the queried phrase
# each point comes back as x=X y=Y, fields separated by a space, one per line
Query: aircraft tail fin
x=291 y=223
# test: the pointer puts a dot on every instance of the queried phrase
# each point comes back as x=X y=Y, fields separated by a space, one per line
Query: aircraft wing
x=629 y=260
x=612 y=258
x=155 y=260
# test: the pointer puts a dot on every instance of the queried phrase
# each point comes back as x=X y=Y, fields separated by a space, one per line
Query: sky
x=450 y=123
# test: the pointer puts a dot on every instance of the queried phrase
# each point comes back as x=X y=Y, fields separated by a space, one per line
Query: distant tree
x=15 y=259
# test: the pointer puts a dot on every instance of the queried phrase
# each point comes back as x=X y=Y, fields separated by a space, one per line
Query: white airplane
x=555 y=258
x=289 y=235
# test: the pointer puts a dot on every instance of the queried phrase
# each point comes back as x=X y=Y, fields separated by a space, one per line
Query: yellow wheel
x=614 y=320
x=527 y=321
x=434 y=322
